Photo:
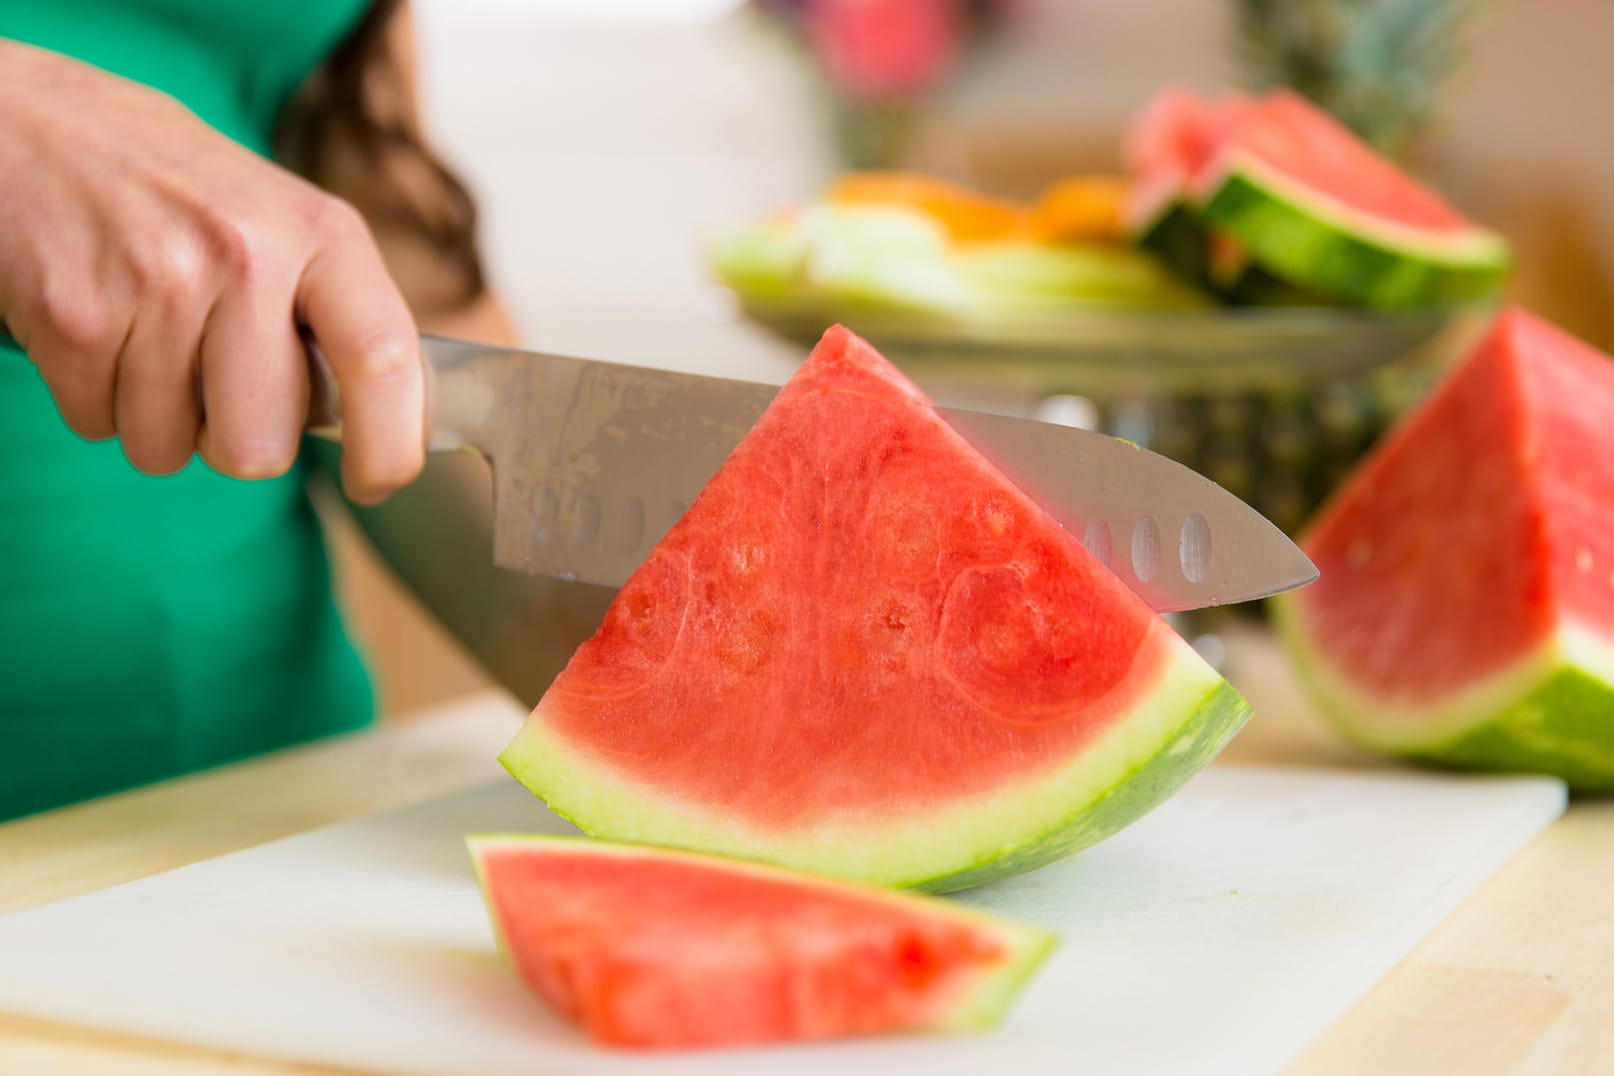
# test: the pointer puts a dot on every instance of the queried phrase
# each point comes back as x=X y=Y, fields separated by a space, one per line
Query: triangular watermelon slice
x=1465 y=612
x=650 y=948
x=866 y=653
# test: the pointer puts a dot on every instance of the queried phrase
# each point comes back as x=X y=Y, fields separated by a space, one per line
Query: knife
x=594 y=461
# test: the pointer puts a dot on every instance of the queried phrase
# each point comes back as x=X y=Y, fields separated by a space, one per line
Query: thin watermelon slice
x=651 y=948
x=865 y=653
x=1465 y=613
x=1313 y=204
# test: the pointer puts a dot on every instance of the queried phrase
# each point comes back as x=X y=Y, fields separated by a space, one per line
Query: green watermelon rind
x=1176 y=235
x=1175 y=727
x=1317 y=243
x=979 y=1008
x=1179 y=238
x=1550 y=711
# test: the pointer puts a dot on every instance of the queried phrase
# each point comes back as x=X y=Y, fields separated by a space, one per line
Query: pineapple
x=1377 y=65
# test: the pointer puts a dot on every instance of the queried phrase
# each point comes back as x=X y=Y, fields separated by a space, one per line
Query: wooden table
x=1519 y=980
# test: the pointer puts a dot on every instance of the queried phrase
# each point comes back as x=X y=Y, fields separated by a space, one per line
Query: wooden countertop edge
x=83 y=1044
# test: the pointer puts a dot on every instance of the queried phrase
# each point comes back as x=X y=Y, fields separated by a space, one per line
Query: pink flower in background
x=889 y=49
x=883 y=60
x=886 y=48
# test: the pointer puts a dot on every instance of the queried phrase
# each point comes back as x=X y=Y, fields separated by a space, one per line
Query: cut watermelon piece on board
x=652 y=948
x=1313 y=204
x=865 y=653
x=1465 y=612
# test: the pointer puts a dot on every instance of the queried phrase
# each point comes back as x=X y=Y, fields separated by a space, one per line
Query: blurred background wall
x=607 y=139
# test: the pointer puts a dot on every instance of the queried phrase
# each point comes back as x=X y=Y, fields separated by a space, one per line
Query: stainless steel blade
x=1175 y=537
x=593 y=462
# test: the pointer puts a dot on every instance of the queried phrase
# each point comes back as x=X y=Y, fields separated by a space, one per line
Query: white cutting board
x=1220 y=934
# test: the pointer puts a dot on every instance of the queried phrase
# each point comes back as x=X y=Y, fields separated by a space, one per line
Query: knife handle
x=324 y=397
x=454 y=426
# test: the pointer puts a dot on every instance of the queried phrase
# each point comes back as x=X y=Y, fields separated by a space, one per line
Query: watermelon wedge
x=1310 y=202
x=650 y=948
x=1465 y=613
x=1270 y=199
x=865 y=653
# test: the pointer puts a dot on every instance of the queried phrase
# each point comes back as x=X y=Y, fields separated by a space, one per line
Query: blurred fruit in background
x=1224 y=188
x=881 y=60
x=1378 y=66
x=965 y=215
x=909 y=246
x=884 y=49
x=1081 y=208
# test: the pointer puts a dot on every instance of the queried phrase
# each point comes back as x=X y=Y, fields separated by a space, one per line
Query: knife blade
x=593 y=462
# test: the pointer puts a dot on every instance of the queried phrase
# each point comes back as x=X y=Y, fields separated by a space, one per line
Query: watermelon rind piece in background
x=1312 y=204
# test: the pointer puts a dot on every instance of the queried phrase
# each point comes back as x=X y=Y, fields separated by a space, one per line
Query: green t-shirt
x=151 y=626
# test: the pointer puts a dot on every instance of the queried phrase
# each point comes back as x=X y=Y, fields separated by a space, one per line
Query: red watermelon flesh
x=967 y=583
x=1176 y=131
x=649 y=948
x=1483 y=521
x=1170 y=143
x=1305 y=146
x=1465 y=610
x=864 y=651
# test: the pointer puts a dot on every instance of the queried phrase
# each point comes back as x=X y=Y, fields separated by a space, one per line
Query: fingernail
x=370 y=498
x=252 y=470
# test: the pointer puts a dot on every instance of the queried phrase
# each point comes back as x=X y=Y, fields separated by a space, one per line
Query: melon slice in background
x=651 y=948
x=865 y=653
x=1465 y=612
x=1310 y=202
x=1015 y=280
x=867 y=258
x=1163 y=149
x=856 y=257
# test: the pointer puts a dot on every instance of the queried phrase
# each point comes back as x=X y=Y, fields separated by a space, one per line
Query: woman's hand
x=157 y=273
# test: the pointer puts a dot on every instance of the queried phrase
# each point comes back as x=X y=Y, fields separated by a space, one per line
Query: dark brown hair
x=351 y=130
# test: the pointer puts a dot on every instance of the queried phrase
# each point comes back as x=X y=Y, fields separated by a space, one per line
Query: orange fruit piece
x=1081 y=209
x=968 y=216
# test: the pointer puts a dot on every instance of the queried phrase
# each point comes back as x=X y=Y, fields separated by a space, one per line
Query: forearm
x=436 y=537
